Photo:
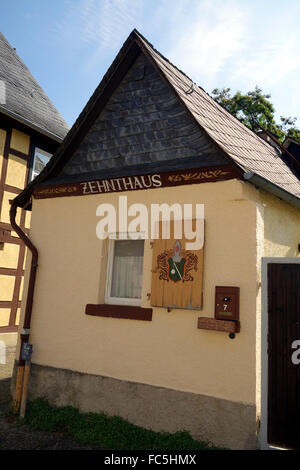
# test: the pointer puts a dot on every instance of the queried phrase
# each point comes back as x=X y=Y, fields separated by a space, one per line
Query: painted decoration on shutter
x=177 y=273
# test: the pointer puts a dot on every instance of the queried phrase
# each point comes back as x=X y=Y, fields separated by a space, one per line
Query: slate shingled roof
x=247 y=150
x=25 y=99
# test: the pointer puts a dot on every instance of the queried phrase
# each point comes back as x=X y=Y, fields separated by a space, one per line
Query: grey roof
x=249 y=151
x=142 y=127
x=25 y=100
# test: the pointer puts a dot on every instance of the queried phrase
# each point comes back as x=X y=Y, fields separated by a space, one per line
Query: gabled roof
x=25 y=100
x=245 y=149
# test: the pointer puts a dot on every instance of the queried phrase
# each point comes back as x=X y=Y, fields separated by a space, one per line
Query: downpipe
x=23 y=370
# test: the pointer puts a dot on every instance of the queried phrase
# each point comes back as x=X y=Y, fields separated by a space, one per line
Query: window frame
x=34 y=174
x=109 y=300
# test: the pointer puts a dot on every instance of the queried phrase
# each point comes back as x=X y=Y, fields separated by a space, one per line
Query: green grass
x=105 y=432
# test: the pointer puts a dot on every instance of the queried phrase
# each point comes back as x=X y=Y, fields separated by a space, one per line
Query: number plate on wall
x=227 y=303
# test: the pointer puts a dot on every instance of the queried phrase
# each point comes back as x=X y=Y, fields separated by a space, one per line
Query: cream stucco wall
x=9 y=256
x=278 y=235
x=282 y=227
x=169 y=351
x=16 y=171
x=20 y=141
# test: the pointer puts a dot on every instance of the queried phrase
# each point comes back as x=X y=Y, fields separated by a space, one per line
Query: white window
x=40 y=160
x=125 y=272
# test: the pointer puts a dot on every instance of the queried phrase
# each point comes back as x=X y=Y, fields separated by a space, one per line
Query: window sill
x=119 y=311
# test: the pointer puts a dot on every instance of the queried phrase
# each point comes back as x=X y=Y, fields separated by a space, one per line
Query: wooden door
x=283 y=367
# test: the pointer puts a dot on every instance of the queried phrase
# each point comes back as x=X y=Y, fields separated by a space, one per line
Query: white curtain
x=127 y=269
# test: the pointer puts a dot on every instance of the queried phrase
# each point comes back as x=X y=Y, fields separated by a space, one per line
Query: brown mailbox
x=227 y=303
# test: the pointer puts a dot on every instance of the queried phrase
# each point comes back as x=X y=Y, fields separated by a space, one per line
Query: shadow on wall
x=276 y=247
x=5 y=390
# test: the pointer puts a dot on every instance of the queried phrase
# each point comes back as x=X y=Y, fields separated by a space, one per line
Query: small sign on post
x=26 y=356
x=26 y=352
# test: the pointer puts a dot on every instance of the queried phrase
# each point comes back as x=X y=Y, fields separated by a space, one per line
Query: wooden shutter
x=177 y=281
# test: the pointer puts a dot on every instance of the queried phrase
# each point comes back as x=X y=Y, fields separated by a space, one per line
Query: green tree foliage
x=254 y=109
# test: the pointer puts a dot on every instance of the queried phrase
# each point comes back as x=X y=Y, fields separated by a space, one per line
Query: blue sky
x=69 y=44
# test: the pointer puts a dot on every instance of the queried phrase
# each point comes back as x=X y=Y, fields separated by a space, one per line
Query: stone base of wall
x=222 y=422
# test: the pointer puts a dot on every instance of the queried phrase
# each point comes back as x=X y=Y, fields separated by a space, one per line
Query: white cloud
x=232 y=43
x=238 y=44
x=104 y=21
x=209 y=34
x=275 y=60
x=100 y=23
x=272 y=61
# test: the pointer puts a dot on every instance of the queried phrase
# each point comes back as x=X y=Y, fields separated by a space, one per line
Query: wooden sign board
x=177 y=273
x=140 y=182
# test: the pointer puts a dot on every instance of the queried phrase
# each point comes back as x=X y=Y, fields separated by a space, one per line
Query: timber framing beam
x=6 y=236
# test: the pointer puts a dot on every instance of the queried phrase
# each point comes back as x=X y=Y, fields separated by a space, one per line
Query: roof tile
x=24 y=97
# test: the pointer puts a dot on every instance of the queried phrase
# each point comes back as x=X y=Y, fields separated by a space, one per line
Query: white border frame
x=263 y=433
x=110 y=261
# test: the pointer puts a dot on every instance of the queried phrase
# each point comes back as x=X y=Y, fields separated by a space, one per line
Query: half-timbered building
x=167 y=336
x=31 y=129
